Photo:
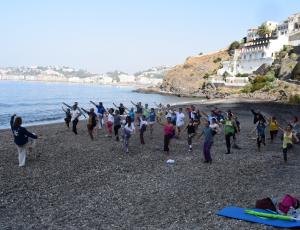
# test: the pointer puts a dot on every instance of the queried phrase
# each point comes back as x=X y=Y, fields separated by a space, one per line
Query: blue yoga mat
x=238 y=213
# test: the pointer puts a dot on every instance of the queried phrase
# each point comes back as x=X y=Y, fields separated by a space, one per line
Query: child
x=143 y=127
x=191 y=131
x=152 y=118
x=117 y=124
x=21 y=136
x=128 y=131
x=92 y=121
x=208 y=142
x=110 y=122
x=288 y=139
x=273 y=127
x=68 y=116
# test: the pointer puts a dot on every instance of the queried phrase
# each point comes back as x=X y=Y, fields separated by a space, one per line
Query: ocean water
x=40 y=102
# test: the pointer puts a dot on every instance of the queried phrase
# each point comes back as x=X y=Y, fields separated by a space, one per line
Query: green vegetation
x=234 y=45
x=217 y=60
x=242 y=75
x=263 y=30
x=293 y=56
x=296 y=72
x=260 y=82
x=294 y=99
x=201 y=53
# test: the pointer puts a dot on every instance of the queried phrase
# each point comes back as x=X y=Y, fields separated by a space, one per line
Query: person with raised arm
x=75 y=113
x=100 y=113
x=91 y=122
x=139 y=111
x=288 y=139
x=260 y=132
x=122 y=109
x=21 y=138
x=68 y=116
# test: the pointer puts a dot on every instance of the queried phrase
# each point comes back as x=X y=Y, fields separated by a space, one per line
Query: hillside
x=188 y=78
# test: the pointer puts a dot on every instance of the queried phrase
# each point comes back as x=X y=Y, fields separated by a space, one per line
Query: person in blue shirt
x=132 y=114
x=21 y=138
x=152 y=119
x=260 y=131
x=100 y=113
x=208 y=142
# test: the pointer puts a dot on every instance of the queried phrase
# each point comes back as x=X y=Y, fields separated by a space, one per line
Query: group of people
x=123 y=123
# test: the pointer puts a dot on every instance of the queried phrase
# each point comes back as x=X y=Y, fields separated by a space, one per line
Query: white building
x=262 y=50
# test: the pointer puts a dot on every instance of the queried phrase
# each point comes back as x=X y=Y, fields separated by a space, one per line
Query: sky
x=126 y=35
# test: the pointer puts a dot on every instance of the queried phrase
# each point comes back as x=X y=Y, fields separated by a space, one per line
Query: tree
x=263 y=30
x=234 y=45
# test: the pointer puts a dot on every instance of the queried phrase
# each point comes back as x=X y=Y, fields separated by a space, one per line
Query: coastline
x=116 y=84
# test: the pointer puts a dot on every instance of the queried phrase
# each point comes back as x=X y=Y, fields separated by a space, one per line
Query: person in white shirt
x=128 y=131
x=215 y=127
x=75 y=114
x=143 y=127
x=110 y=122
x=179 y=121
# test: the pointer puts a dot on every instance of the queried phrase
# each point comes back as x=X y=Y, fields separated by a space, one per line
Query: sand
x=82 y=184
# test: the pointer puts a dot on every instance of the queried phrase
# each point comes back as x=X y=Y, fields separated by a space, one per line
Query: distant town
x=150 y=77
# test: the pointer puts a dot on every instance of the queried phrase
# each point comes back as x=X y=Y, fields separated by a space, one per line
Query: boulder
x=262 y=70
x=296 y=72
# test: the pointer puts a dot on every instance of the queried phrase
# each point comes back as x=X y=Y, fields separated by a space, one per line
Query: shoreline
x=86 y=83
x=196 y=102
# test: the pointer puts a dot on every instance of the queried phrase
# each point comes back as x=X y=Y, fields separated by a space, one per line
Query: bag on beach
x=265 y=203
x=287 y=202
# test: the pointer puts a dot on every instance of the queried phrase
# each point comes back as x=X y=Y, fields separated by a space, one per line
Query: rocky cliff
x=190 y=78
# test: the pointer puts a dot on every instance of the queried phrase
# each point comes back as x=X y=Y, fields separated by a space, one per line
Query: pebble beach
x=77 y=183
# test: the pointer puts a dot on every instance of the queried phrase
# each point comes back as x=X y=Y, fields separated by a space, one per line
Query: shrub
x=293 y=56
x=270 y=76
x=242 y=75
x=200 y=54
x=234 y=45
x=217 y=60
x=294 y=99
x=206 y=75
x=263 y=30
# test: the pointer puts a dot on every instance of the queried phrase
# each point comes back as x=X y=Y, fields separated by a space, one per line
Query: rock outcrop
x=190 y=78
x=296 y=72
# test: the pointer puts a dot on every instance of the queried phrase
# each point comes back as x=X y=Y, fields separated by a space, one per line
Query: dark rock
x=262 y=70
x=296 y=72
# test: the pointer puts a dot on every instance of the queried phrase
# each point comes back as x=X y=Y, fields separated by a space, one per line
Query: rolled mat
x=239 y=213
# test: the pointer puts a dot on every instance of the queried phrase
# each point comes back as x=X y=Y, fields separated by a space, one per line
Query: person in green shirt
x=229 y=130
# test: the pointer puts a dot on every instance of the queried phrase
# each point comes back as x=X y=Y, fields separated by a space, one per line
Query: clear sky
x=127 y=35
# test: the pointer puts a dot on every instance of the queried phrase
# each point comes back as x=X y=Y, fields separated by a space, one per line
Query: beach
x=82 y=184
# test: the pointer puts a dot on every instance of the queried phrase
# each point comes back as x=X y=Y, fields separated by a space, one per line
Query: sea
x=40 y=102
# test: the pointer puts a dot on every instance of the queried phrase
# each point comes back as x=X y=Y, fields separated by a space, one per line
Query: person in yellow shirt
x=288 y=140
x=273 y=127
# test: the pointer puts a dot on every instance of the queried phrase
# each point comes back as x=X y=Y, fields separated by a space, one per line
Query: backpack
x=287 y=202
